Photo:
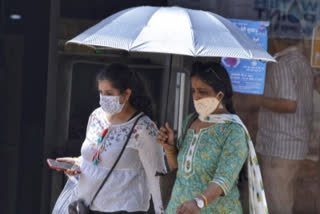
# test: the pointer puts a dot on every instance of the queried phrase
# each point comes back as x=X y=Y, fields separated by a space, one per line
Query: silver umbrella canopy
x=172 y=30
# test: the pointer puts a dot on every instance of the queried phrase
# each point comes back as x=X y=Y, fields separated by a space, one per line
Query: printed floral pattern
x=227 y=167
x=135 y=172
x=216 y=154
x=118 y=133
x=257 y=198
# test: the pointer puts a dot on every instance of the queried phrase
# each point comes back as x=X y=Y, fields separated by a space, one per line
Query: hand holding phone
x=64 y=164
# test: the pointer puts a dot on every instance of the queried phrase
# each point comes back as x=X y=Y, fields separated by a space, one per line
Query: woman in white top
x=133 y=181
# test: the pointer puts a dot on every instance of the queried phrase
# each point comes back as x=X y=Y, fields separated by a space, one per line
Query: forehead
x=197 y=82
x=105 y=84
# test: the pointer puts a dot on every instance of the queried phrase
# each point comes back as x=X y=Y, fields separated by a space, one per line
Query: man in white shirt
x=285 y=121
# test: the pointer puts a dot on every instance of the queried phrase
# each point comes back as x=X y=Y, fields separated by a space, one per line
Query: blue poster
x=248 y=76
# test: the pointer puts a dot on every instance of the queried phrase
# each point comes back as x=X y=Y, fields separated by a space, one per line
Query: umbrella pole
x=168 y=89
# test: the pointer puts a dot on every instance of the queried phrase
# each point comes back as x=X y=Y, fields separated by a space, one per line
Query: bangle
x=171 y=155
x=205 y=200
x=171 y=152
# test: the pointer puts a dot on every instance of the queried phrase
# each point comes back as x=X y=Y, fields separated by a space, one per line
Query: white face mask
x=111 y=104
x=206 y=106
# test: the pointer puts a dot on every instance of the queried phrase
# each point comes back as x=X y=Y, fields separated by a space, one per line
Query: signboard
x=289 y=18
x=248 y=76
x=315 y=51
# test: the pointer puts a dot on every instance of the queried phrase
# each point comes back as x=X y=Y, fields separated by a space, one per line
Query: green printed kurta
x=215 y=154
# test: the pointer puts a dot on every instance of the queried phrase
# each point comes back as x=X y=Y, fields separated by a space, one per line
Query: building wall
x=288 y=18
x=11 y=92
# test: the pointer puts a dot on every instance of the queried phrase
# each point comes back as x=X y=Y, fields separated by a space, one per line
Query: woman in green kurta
x=211 y=151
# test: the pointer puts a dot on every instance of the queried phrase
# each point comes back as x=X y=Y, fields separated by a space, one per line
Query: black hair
x=216 y=76
x=123 y=78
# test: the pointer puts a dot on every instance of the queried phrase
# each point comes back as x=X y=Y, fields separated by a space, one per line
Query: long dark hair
x=123 y=78
x=216 y=76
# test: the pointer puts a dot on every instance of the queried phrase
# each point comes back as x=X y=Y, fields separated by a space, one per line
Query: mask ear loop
x=220 y=100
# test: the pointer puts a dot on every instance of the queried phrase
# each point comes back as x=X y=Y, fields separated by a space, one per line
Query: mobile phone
x=59 y=165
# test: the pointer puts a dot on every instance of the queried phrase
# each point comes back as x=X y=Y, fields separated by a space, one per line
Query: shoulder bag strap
x=115 y=163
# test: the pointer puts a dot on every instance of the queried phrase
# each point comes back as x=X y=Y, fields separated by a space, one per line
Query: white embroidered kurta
x=133 y=180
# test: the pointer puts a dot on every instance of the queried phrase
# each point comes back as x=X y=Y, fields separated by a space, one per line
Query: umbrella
x=176 y=30
x=172 y=30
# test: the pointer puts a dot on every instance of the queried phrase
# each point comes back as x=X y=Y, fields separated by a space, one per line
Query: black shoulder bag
x=78 y=206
